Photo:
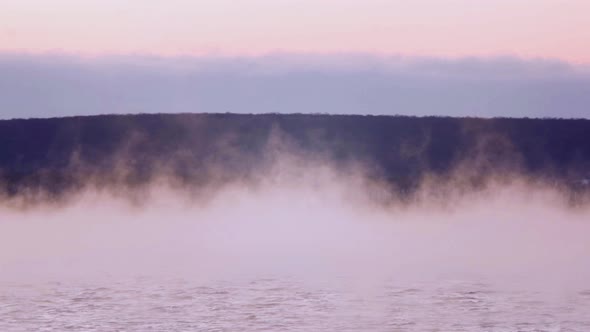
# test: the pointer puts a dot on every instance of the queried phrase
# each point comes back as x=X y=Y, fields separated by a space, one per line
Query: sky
x=49 y=45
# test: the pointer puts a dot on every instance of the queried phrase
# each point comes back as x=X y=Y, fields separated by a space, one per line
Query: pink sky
x=449 y=28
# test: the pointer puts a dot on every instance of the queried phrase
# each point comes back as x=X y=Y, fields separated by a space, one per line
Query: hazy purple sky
x=423 y=57
x=47 y=86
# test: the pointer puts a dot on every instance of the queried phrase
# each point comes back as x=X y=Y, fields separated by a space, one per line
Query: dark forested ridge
x=59 y=154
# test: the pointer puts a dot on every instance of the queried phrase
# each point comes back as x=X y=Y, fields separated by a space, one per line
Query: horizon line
x=297 y=114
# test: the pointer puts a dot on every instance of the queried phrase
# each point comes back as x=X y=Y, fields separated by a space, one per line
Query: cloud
x=64 y=85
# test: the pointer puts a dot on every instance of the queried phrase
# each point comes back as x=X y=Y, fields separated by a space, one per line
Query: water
x=286 y=304
x=285 y=259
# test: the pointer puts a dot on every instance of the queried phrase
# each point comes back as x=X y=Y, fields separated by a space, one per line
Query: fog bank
x=65 y=85
x=311 y=222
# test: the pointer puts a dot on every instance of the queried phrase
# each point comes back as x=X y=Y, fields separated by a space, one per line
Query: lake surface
x=286 y=304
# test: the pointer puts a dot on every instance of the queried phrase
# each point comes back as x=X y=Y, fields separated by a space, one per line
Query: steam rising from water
x=310 y=221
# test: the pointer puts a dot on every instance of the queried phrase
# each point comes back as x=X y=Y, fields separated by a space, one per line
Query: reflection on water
x=283 y=304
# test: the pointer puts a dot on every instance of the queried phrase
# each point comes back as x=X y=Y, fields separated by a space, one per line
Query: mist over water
x=300 y=229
